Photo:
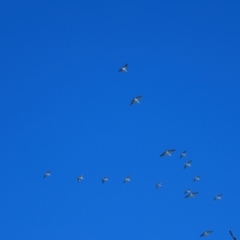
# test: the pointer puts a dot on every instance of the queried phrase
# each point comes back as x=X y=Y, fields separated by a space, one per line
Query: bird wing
x=232 y=235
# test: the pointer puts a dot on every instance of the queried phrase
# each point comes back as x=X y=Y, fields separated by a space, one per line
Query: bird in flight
x=206 y=233
x=191 y=194
x=47 y=174
x=127 y=179
x=197 y=178
x=136 y=100
x=104 y=179
x=124 y=68
x=188 y=164
x=183 y=154
x=80 y=178
x=158 y=185
x=232 y=235
x=167 y=153
x=218 y=197
x=187 y=191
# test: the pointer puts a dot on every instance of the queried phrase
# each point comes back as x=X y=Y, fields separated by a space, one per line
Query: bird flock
x=188 y=192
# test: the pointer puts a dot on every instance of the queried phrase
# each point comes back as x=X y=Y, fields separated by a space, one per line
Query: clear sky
x=66 y=108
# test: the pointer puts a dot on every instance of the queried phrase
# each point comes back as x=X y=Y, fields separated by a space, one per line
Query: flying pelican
x=232 y=235
x=136 y=100
x=127 y=179
x=158 y=185
x=124 y=68
x=206 y=233
x=191 y=195
x=104 y=179
x=183 y=154
x=47 y=174
x=218 y=197
x=197 y=178
x=188 y=164
x=167 y=153
x=80 y=178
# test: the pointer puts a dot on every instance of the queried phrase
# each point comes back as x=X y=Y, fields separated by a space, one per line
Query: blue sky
x=66 y=108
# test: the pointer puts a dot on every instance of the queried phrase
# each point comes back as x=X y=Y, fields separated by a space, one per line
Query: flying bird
x=136 y=100
x=167 y=153
x=158 y=185
x=188 y=164
x=124 y=68
x=206 y=233
x=104 y=179
x=218 y=197
x=232 y=235
x=183 y=154
x=80 y=178
x=127 y=179
x=47 y=174
x=187 y=191
x=191 y=194
x=197 y=178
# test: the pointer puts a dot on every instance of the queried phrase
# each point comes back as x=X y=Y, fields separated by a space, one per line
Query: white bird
x=188 y=164
x=124 y=68
x=167 y=152
x=206 y=233
x=218 y=197
x=136 y=100
x=183 y=154
x=104 y=179
x=197 y=178
x=191 y=195
x=127 y=179
x=47 y=174
x=80 y=178
x=187 y=191
x=158 y=185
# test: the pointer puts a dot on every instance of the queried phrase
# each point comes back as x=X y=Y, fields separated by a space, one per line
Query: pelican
x=104 y=179
x=47 y=174
x=158 y=185
x=136 y=100
x=167 y=153
x=124 y=68
x=80 y=178
x=188 y=164
x=191 y=194
x=206 y=233
x=127 y=179
x=218 y=197
x=183 y=154
x=197 y=178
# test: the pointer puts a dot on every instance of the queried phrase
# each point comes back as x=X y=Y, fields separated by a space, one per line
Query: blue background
x=66 y=108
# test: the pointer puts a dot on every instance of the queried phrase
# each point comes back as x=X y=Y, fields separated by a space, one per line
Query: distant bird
x=183 y=154
x=127 y=179
x=191 y=195
x=124 y=68
x=206 y=233
x=197 y=178
x=188 y=164
x=187 y=191
x=104 y=179
x=158 y=185
x=80 y=178
x=136 y=100
x=218 y=197
x=232 y=235
x=167 y=153
x=47 y=174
